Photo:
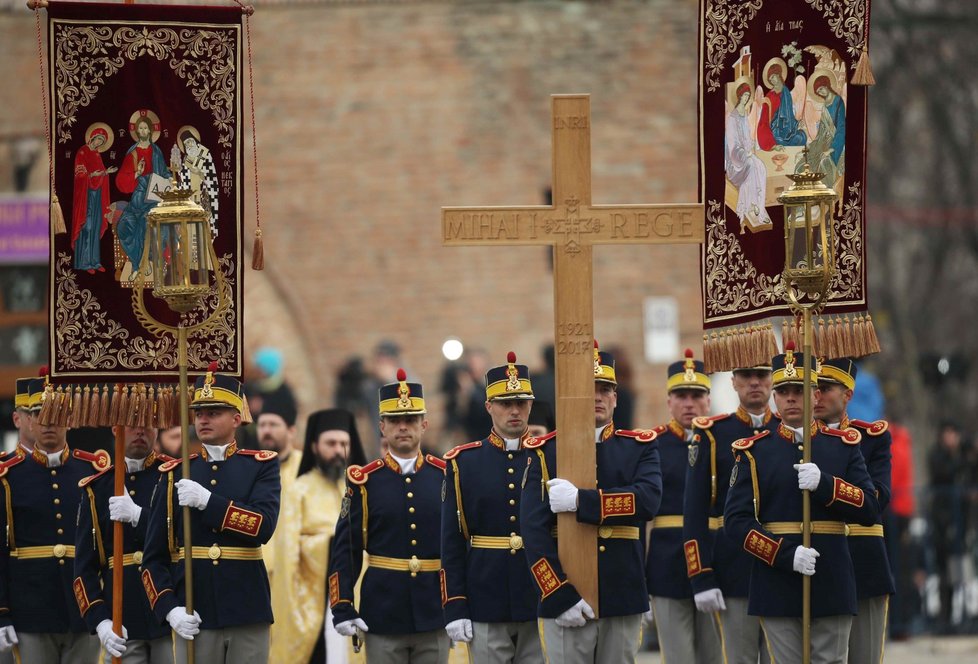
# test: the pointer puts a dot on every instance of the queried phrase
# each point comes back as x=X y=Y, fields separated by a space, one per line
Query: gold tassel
x=258 y=252
x=75 y=414
x=47 y=406
x=820 y=338
x=860 y=332
x=58 y=399
x=57 y=216
x=840 y=338
x=136 y=394
x=86 y=405
x=872 y=341
x=163 y=415
x=93 y=407
x=104 y=407
x=150 y=413
x=848 y=343
x=772 y=344
x=122 y=398
x=64 y=413
x=707 y=351
x=864 y=69
x=726 y=350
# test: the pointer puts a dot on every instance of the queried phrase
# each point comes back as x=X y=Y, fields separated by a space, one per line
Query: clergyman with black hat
x=487 y=591
x=234 y=499
x=303 y=630
x=764 y=514
x=628 y=491
x=392 y=511
x=874 y=578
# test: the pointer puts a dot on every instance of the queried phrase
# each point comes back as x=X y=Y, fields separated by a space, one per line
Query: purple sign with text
x=24 y=229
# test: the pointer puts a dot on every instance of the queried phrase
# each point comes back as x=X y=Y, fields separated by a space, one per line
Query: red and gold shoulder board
x=85 y=481
x=435 y=461
x=452 y=453
x=358 y=474
x=661 y=429
x=100 y=459
x=704 y=422
x=173 y=463
x=747 y=443
x=641 y=435
x=10 y=463
x=850 y=436
x=877 y=428
x=259 y=455
x=534 y=442
x=164 y=458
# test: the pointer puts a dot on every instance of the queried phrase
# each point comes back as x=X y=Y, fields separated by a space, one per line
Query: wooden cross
x=572 y=225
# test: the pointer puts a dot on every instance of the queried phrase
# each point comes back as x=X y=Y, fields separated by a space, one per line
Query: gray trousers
x=71 y=648
x=505 y=643
x=245 y=644
x=606 y=640
x=7 y=657
x=156 y=651
x=830 y=639
x=687 y=636
x=741 y=632
x=424 y=648
x=868 y=635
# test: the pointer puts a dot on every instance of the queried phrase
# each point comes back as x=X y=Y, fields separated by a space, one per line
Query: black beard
x=333 y=469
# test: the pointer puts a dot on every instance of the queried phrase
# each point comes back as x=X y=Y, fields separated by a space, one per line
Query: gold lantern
x=809 y=242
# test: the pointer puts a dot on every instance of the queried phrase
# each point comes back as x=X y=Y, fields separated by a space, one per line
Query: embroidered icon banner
x=775 y=83
x=140 y=94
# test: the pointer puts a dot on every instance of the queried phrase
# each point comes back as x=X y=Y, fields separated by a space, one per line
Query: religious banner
x=140 y=96
x=776 y=92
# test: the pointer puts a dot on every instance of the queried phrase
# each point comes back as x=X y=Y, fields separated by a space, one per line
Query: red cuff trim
x=846 y=493
x=334 y=588
x=546 y=578
x=617 y=504
x=760 y=545
x=241 y=521
x=81 y=596
x=694 y=565
x=150 y=588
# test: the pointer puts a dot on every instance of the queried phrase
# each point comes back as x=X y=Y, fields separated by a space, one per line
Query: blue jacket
x=40 y=507
x=93 y=549
x=764 y=497
x=482 y=498
x=713 y=560
x=230 y=588
x=628 y=494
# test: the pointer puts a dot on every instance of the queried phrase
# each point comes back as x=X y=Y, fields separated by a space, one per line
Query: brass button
x=213 y=482
x=214 y=552
x=512 y=518
x=54 y=486
x=601 y=548
x=509 y=456
x=512 y=552
x=510 y=471
x=411 y=510
x=54 y=472
x=60 y=550
x=137 y=557
x=132 y=492
x=414 y=526
x=414 y=542
x=214 y=466
x=413 y=574
x=604 y=532
x=61 y=531
x=58 y=515
x=512 y=501
x=61 y=562
x=132 y=477
x=214 y=562
x=414 y=565
x=801 y=447
x=57 y=501
x=512 y=486
x=847 y=530
x=515 y=541
x=410 y=494
x=407 y=480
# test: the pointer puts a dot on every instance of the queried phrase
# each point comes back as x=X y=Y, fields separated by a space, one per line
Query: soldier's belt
x=216 y=552
x=611 y=532
x=856 y=530
x=412 y=564
x=716 y=522
x=128 y=559
x=818 y=527
x=35 y=552
x=512 y=542
x=670 y=521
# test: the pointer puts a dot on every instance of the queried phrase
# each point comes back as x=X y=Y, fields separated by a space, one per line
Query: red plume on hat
x=401 y=375
x=511 y=357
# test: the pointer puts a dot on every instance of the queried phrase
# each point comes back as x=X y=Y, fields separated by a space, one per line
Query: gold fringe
x=64 y=413
x=258 y=252
x=136 y=397
x=864 y=69
x=872 y=341
x=57 y=216
x=47 y=406
x=149 y=417
x=859 y=331
x=123 y=400
x=86 y=405
x=93 y=406
x=104 y=407
x=163 y=408
x=75 y=414
x=707 y=351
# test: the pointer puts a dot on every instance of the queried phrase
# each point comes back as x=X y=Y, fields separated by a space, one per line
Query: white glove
x=184 y=624
x=709 y=601
x=123 y=508
x=648 y=617
x=576 y=616
x=114 y=644
x=191 y=494
x=8 y=638
x=460 y=631
x=349 y=627
x=805 y=561
x=563 y=496
x=808 y=476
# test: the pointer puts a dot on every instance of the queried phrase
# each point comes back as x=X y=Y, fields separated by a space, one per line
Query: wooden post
x=188 y=558
x=118 y=544
x=806 y=496
x=571 y=226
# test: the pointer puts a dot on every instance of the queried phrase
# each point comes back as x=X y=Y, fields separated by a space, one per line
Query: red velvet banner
x=139 y=93
x=775 y=78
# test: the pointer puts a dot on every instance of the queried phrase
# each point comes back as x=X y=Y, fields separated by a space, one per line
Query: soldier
x=486 y=588
x=146 y=640
x=41 y=496
x=764 y=512
x=685 y=635
x=874 y=579
x=628 y=492
x=392 y=510
x=714 y=562
x=234 y=501
x=22 y=418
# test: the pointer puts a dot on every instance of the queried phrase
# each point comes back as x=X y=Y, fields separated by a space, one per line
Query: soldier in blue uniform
x=714 y=562
x=874 y=579
x=40 y=493
x=234 y=499
x=685 y=634
x=764 y=513
x=488 y=594
x=628 y=492
x=22 y=418
x=146 y=640
x=392 y=510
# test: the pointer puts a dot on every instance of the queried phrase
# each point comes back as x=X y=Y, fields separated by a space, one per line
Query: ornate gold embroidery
x=724 y=24
x=847 y=20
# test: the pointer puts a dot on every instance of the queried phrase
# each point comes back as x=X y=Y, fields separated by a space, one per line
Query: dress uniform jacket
x=38 y=520
x=867 y=546
x=482 y=499
x=94 y=546
x=230 y=582
x=396 y=519
x=627 y=496
x=713 y=560
x=665 y=569
x=764 y=513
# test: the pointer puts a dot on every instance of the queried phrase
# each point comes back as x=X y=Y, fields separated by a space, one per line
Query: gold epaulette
x=877 y=428
x=661 y=429
x=747 y=443
x=259 y=455
x=534 y=442
x=452 y=453
x=85 y=481
x=435 y=461
x=641 y=435
x=848 y=436
x=705 y=422
x=100 y=459
x=164 y=458
x=173 y=463
x=359 y=474
x=10 y=463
